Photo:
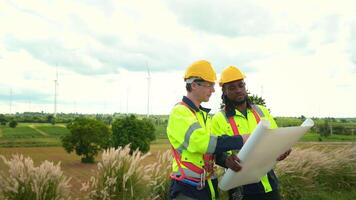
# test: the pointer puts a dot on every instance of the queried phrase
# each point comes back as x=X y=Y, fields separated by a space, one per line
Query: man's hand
x=284 y=155
x=245 y=137
x=233 y=162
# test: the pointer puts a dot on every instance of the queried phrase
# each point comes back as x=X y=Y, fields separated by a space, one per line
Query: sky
x=129 y=56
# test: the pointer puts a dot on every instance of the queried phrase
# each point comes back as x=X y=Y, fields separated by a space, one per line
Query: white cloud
x=299 y=54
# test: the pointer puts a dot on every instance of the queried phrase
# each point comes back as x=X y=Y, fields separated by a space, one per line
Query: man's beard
x=231 y=104
x=240 y=102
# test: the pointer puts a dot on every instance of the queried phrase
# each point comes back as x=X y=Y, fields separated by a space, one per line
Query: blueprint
x=260 y=152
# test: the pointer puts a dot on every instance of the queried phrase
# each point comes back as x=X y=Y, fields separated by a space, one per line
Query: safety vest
x=189 y=131
x=238 y=124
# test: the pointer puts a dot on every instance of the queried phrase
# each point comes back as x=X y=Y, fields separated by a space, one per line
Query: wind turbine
x=127 y=99
x=55 y=94
x=119 y=90
x=148 y=89
x=10 y=101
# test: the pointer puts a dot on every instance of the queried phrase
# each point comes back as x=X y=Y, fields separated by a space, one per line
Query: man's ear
x=194 y=85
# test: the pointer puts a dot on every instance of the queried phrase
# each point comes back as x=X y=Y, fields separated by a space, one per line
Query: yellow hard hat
x=202 y=69
x=229 y=74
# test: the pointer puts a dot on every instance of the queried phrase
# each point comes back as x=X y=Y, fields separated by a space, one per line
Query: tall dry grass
x=312 y=170
x=159 y=172
x=24 y=181
x=308 y=173
x=122 y=175
x=119 y=176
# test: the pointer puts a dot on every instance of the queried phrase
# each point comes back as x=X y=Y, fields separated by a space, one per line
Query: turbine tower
x=55 y=94
x=127 y=99
x=148 y=89
x=10 y=101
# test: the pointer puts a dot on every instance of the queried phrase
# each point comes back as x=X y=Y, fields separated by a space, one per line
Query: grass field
x=313 y=137
x=70 y=163
x=72 y=167
x=20 y=132
x=45 y=135
x=32 y=135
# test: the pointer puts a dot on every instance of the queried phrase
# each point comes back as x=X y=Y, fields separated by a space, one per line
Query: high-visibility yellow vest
x=221 y=125
x=190 y=134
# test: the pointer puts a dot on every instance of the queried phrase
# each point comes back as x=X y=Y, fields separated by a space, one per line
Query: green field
x=45 y=135
x=313 y=137
x=53 y=131
x=19 y=132
x=32 y=135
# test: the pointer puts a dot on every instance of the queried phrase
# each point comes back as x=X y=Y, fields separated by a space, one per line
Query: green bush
x=3 y=119
x=51 y=119
x=13 y=124
x=130 y=130
x=87 y=137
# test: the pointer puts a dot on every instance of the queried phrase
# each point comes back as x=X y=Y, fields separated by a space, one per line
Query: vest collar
x=232 y=112
x=190 y=103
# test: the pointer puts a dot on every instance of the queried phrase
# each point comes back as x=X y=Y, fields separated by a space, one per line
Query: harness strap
x=233 y=123
x=183 y=176
x=257 y=117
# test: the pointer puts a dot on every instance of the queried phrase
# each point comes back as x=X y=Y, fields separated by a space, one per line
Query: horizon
x=121 y=56
x=166 y=115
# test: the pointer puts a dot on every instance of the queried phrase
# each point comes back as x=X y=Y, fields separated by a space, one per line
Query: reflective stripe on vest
x=258 y=110
x=189 y=133
x=211 y=146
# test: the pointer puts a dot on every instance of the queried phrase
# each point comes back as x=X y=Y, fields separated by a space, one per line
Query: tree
x=3 y=120
x=257 y=100
x=51 y=119
x=302 y=117
x=13 y=124
x=87 y=137
x=130 y=130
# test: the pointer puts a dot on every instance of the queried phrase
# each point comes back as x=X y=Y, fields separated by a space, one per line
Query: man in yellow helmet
x=193 y=145
x=240 y=117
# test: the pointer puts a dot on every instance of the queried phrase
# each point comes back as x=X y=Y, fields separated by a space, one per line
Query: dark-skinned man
x=240 y=117
x=193 y=144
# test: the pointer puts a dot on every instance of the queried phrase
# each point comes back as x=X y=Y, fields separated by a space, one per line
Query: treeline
x=323 y=126
x=89 y=136
x=42 y=117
